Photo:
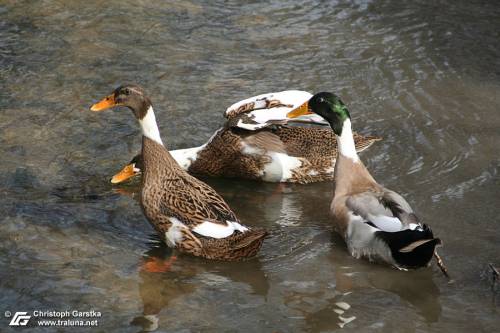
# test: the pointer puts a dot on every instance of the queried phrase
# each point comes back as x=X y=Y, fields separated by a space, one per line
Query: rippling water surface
x=423 y=75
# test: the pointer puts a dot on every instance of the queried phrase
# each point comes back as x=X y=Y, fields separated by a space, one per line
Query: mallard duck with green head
x=375 y=222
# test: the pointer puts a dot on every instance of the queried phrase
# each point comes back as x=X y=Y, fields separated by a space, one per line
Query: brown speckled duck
x=187 y=213
x=259 y=142
x=376 y=223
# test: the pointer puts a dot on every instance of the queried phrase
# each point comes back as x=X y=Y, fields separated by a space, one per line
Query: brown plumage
x=224 y=155
x=187 y=213
x=170 y=192
x=352 y=178
x=312 y=146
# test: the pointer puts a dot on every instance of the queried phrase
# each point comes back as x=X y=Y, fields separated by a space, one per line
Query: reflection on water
x=416 y=288
x=165 y=278
x=421 y=75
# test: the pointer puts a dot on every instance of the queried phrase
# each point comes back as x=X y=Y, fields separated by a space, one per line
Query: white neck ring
x=345 y=142
x=149 y=126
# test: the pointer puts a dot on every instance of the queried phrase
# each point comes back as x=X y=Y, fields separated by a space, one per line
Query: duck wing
x=385 y=210
x=199 y=207
x=385 y=216
x=264 y=141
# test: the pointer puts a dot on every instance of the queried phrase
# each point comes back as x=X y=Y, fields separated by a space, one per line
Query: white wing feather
x=261 y=115
x=216 y=230
x=293 y=97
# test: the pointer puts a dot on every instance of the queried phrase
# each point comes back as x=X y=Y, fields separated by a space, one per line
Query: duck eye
x=126 y=91
x=321 y=99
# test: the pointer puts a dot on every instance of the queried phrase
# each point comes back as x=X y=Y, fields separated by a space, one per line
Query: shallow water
x=423 y=76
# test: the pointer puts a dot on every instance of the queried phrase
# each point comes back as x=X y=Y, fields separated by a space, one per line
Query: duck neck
x=158 y=164
x=149 y=126
x=345 y=142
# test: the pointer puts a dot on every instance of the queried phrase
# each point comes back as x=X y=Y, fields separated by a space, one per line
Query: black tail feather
x=399 y=243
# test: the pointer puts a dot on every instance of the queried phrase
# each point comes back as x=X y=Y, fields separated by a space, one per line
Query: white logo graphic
x=20 y=319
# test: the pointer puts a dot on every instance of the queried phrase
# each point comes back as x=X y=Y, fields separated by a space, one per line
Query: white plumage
x=149 y=126
x=217 y=230
x=174 y=234
x=262 y=113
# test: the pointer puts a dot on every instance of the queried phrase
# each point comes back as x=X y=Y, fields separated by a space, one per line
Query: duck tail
x=411 y=248
x=253 y=238
x=243 y=246
x=364 y=142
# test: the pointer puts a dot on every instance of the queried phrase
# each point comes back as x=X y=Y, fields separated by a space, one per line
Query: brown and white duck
x=259 y=142
x=187 y=213
x=376 y=223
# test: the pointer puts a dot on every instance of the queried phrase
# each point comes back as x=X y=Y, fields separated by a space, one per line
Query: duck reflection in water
x=351 y=276
x=167 y=278
x=415 y=287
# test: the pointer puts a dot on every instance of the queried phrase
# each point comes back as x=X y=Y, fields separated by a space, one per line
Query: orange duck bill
x=300 y=111
x=127 y=172
x=105 y=103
